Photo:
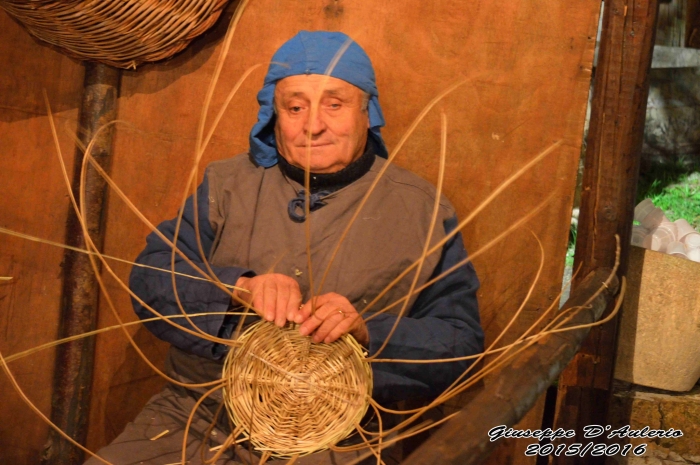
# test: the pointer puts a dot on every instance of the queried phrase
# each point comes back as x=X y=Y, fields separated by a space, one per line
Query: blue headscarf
x=311 y=53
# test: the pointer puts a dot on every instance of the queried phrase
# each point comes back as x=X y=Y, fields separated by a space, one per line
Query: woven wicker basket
x=121 y=33
x=292 y=396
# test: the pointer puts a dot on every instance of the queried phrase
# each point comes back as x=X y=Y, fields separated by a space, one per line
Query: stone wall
x=639 y=406
x=672 y=128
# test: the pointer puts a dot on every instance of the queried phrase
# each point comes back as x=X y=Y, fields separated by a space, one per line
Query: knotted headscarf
x=312 y=53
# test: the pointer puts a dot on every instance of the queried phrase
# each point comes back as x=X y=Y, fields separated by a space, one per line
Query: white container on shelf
x=677 y=249
x=670 y=228
x=638 y=235
x=694 y=254
x=692 y=240
x=643 y=209
x=658 y=239
x=653 y=219
x=684 y=228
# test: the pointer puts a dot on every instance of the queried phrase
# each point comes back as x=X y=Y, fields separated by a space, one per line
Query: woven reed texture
x=121 y=33
x=292 y=396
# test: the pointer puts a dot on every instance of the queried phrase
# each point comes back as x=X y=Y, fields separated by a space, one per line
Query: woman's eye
x=295 y=109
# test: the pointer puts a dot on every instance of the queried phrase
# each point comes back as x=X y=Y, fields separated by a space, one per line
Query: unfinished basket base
x=292 y=396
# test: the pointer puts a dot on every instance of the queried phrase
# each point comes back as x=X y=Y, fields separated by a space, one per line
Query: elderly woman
x=319 y=110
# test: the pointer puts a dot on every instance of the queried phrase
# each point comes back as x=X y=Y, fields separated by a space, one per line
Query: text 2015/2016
x=579 y=449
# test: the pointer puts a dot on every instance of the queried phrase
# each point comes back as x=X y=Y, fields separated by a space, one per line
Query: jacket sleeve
x=155 y=287
x=443 y=323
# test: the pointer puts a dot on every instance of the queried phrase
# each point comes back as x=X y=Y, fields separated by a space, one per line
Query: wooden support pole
x=74 y=360
x=611 y=170
x=514 y=389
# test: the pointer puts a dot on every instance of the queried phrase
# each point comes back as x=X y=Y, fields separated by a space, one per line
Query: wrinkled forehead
x=315 y=86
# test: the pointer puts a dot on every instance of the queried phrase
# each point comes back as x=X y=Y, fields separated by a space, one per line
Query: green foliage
x=675 y=188
x=572 y=244
x=570 y=253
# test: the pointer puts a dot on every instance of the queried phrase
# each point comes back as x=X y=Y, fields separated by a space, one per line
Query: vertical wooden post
x=614 y=142
x=692 y=26
x=74 y=361
x=672 y=23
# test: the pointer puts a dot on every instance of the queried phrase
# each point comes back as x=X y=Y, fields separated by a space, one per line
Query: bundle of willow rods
x=120 y=33
x=292 y=396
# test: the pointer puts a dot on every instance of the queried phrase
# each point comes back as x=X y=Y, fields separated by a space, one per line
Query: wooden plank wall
x=32 y=201
x=527 y=67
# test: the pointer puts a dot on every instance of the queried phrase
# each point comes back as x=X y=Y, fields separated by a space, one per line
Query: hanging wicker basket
x=121 y=33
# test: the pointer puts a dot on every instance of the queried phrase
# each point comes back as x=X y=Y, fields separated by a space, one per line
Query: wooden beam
x=618 y=112
x=74 y=361
x=515 y=388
